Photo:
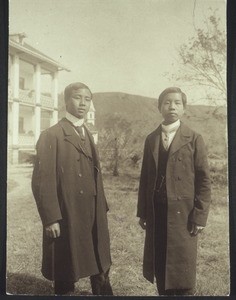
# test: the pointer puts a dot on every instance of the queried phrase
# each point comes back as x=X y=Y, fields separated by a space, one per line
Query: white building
x=90 y=121
x=32 y=95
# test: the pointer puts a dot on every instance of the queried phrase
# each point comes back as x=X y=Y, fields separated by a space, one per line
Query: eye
x=77 y=97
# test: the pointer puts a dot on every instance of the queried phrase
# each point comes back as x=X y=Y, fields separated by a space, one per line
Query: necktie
x=80 y=131
x=166 y=137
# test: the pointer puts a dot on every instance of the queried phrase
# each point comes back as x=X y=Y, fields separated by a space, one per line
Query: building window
x=21 y=125
x=22 y=83
x=46 y=117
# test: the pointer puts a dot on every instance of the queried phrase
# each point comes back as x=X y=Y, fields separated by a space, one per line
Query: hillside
x=143 y=114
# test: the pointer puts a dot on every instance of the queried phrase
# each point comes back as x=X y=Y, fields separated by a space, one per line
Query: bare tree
x=203 y=59
x=118 y=141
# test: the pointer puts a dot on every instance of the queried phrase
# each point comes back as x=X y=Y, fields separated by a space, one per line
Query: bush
x=218 y=172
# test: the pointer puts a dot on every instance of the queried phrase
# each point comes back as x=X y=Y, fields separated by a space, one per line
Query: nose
x=172 y=106
x=82 y=101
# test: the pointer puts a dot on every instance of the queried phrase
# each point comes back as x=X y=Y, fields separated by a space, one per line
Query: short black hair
x=74 y=86
x=172 y=90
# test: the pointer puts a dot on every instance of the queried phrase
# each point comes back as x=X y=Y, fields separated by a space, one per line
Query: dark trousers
x=100 y=285
x=63 y=287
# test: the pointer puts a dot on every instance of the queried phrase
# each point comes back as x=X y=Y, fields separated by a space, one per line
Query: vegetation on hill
x=123 y=122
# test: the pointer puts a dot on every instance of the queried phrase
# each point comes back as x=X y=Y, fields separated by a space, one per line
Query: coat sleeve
x=143 y=183
x=44 y=179
x=202 y=184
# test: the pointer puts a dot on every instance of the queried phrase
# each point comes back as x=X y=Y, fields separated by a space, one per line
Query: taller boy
x=68 y=190
x=174 y=198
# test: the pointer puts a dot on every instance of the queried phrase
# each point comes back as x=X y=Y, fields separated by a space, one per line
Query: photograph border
x=231 y=93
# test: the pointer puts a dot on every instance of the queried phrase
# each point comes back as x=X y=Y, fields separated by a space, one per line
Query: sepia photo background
x=127 y=52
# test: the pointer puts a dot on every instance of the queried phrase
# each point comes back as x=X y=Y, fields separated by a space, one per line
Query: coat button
x=179 y=158
x=178 y=212
x=81 y=192
x=80 y=175
x=178 y=198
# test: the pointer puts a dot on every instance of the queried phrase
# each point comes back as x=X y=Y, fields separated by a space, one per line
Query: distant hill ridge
x=140 y=106
x=143 y=114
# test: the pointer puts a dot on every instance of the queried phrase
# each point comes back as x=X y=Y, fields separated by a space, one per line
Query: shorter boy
x=174 y=198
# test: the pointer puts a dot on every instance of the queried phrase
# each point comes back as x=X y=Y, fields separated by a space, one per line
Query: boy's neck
x=168 y=124
x=74 y=120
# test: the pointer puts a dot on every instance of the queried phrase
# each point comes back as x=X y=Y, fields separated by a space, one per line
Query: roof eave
x=38 y=56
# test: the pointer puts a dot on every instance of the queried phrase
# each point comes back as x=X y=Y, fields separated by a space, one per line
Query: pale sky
x=112 y=45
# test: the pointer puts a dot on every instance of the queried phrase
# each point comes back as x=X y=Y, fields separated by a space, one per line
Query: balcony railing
x=46 y=101
x=26 y=140
x=29 y=97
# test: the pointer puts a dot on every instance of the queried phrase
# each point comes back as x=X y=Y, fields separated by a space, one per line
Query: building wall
x=46 y=119
x=46 y=82
x=9 y=124
x=29 y=112
x=26 y=113
x=26 y=73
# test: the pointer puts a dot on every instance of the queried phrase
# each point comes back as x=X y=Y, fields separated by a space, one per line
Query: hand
x=195 y=229
x=53 y=230
x=142 y=223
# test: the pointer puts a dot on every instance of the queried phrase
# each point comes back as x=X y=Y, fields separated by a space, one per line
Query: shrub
x=218 y=172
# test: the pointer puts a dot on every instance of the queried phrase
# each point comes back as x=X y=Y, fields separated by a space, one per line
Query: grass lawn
x=24 y=236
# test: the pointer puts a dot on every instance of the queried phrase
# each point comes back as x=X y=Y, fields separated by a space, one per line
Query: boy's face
x=79 y=103
x=172 y=108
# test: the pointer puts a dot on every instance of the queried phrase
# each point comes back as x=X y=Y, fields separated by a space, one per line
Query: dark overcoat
x=68 y=190
x=188 y=200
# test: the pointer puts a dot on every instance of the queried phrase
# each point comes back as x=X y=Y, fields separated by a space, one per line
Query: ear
x=156 y=105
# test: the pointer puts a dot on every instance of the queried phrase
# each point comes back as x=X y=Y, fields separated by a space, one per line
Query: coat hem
x=75 y=279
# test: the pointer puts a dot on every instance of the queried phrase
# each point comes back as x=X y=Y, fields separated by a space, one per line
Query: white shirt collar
x=75 y=121
x=171 y=126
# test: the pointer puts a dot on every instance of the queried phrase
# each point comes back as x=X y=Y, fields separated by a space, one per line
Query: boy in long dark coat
x=174 y=198
x=68 y=190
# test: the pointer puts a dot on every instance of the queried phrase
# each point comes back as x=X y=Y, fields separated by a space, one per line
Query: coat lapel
x=71 y=136
x=181 y=138
x=93 y=147
x=154 y=140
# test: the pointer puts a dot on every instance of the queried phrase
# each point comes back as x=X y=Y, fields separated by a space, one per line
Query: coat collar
x=181 y=138
x=73 y=138
x=93 y=146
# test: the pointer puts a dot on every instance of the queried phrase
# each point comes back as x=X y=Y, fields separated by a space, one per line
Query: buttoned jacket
x=66 y=183
x=188 y=198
